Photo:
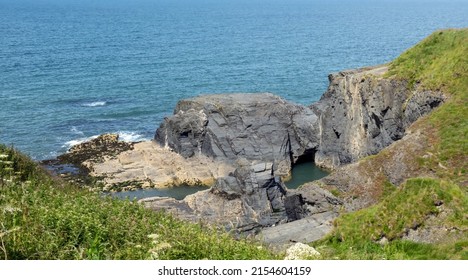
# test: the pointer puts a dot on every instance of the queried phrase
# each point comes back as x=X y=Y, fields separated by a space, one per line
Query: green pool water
x=303 y=173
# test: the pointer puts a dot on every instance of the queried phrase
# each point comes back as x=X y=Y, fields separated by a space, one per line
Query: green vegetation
x=396 y=250
x=405 y=209
x=440 y=63
x=376 y=232
x=44 y=218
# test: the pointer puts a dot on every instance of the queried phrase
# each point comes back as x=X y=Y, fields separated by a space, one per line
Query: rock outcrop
x=95 y=150
x=226 y=127
x=148 y=165
x=362 y=112
x=249 y=198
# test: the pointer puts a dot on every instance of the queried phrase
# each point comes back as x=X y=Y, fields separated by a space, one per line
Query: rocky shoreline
x=243 y=145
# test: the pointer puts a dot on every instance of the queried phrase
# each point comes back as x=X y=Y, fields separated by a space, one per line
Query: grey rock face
x=249 y=198
x=361 y=113
x=259 y=127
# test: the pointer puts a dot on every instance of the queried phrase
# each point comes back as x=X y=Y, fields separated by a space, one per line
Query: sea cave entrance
x=304 y=170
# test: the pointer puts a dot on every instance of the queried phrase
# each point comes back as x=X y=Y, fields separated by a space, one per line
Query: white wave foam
x=76 y=130
x=95 y=104
x=129 y=136
x=126 y=136
x=74 y=142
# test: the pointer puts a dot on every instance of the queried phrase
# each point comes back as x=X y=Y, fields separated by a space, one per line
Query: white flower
x=153 y=236
x=300 y=251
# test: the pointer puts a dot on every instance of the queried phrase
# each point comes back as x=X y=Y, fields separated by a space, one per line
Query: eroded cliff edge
x=243 y=144
x=362 y=112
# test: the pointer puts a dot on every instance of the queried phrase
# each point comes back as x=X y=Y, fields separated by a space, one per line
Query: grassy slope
x=44 y=218
x=440 y=62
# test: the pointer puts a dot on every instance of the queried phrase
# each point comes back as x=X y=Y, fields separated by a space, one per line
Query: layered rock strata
x=149 y=165
x=362 y=112
x=226 y=127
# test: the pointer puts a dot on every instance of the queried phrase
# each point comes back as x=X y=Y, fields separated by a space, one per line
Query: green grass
x=356 y=234
x=440 y=62
x=406 y=208
x=396 y=250
x=44 y=218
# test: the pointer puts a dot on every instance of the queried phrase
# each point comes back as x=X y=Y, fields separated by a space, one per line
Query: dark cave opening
x=304 y=170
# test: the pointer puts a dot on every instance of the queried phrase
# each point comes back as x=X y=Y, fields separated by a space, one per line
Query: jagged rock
x=249 y=198
x=318 y=200
x=260 y=127
x=242 y=144
x=293 y=206
x=105 y=145
x=361 y=113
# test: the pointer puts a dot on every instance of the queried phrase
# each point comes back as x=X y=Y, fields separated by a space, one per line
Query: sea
x=71 y=70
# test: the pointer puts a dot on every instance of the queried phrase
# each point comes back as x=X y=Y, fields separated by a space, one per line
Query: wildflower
x=155 y=251
x=10 y=209
x=153 y=236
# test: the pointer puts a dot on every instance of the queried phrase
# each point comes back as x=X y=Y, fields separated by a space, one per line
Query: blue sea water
x=70 y=70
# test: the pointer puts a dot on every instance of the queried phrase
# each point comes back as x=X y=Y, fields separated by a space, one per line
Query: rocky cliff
x=362 y=112
x=226 y=127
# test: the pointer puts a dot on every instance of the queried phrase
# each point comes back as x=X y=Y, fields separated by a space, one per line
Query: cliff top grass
x=440 y=62
x=42 y=217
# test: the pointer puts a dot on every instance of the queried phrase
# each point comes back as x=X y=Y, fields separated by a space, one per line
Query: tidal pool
x=303 y=173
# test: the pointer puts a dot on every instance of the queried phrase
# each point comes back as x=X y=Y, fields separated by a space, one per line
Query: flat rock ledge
x=148 y=165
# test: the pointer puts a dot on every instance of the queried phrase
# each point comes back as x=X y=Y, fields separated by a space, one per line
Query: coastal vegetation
x=44 y=217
